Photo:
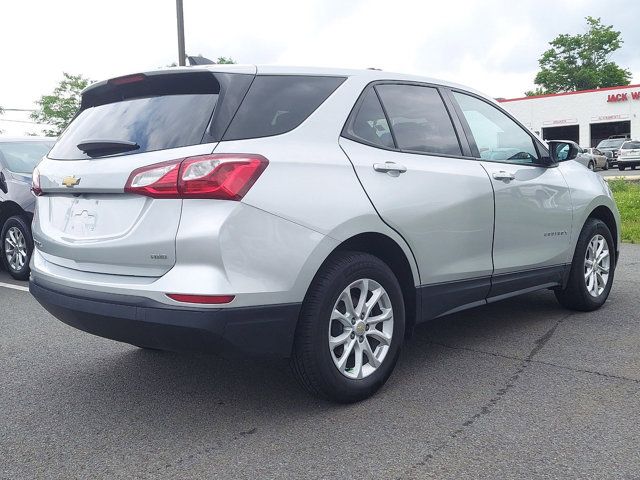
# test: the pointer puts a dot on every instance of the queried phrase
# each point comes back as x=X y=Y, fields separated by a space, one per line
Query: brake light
x=157 y=181
x=35 y=183
x=217 y=176
x=138 y=77
x=204 y=299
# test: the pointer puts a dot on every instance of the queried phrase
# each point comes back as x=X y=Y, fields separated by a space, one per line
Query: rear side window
x=276 y=104
x=155 y=113
x=419 y=119
x=369 y=123
x=630 y=145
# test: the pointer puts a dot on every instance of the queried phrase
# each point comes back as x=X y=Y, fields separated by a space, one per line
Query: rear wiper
x=97 y=148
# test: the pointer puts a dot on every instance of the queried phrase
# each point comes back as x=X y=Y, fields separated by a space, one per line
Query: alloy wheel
x=596 y=265
x=361 y=328
x=15 y=248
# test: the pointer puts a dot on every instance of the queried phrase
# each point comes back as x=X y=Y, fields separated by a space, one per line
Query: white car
x=593 y=159
x=629 y=155
x=314 y=214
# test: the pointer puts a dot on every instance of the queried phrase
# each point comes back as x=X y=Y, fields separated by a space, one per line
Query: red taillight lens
x=222 y=176
x=204 y=299
x=35 y=183
x=218 y=176
x=157 y=181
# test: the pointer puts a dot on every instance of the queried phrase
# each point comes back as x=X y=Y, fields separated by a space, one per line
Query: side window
x=277 y=104
x=419 y=120
x=497 y=136
x=369 y=124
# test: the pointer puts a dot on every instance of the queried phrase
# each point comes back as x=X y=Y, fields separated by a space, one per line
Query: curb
x=629 y=178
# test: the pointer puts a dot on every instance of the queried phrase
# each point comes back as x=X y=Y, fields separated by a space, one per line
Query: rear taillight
x=218 y=176
x=35 y=183
x=159 y=180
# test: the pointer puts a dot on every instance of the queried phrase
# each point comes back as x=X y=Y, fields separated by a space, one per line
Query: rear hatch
x=84 y=218
x=630 y=149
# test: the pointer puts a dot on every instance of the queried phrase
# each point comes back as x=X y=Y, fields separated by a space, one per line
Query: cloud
x=491 y=45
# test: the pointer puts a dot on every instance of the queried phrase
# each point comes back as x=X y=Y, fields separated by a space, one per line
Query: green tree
x=225 y=60
x=582 y=61
x=58 y=108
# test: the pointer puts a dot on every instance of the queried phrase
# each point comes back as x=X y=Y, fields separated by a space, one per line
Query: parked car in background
x=629 y=155
x=610 y=147
x=592 y=158
x=315 y=214
x=18 y=158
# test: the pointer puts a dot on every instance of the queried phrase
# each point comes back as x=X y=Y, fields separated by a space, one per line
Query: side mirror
x=561 y=150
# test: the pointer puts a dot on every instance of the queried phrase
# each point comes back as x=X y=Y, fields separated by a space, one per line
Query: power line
x=20 y=121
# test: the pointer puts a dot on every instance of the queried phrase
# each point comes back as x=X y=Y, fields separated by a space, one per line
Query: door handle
x=390 y=168
x=502 y=175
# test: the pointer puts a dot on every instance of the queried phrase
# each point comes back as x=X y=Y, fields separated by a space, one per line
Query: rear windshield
x=611 y=143
x=630 y=145
x=156 y=113
x=22 y=157
x=276 y=104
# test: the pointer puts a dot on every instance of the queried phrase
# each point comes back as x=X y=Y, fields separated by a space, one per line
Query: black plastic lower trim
x=449 y=297
x=510 y=284
x=266 y=330
x=441 y=299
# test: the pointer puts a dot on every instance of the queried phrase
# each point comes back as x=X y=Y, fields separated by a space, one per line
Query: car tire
x=588 y=286
x=591 y=166
x=318 y=359
x=621 y=168
x=606 y=166
x=17 y=246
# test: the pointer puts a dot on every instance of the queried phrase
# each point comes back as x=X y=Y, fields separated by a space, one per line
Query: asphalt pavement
x=614 y=172
x=518 y=389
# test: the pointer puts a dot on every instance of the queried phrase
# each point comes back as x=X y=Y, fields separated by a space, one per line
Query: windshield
x=630 y=145
x=22 y=157
x=611 y=143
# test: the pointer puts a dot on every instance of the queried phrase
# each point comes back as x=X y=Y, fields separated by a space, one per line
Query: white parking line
x=14 y=287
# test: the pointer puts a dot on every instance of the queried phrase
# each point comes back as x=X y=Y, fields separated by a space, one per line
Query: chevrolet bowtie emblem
x=71 y=181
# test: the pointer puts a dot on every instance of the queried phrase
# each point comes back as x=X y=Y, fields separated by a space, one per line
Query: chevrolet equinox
x=313 y=214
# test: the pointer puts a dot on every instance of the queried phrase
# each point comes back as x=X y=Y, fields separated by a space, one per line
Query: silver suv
x=306 y=213
x=18 y=158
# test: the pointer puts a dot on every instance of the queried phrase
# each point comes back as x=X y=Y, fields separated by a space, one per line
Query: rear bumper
x=626 y=161
x=255 y=331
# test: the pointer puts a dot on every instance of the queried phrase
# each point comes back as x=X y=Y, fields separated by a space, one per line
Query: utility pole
x=180 y=16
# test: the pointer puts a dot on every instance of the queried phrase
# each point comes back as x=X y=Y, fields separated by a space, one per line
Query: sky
x=490 y=45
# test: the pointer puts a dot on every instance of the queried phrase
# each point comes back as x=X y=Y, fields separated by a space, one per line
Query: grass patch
x=627 y=196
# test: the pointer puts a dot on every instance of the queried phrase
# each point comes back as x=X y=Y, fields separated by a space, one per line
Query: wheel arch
x=390 y=252
x=604 y=213
x=9 y=209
